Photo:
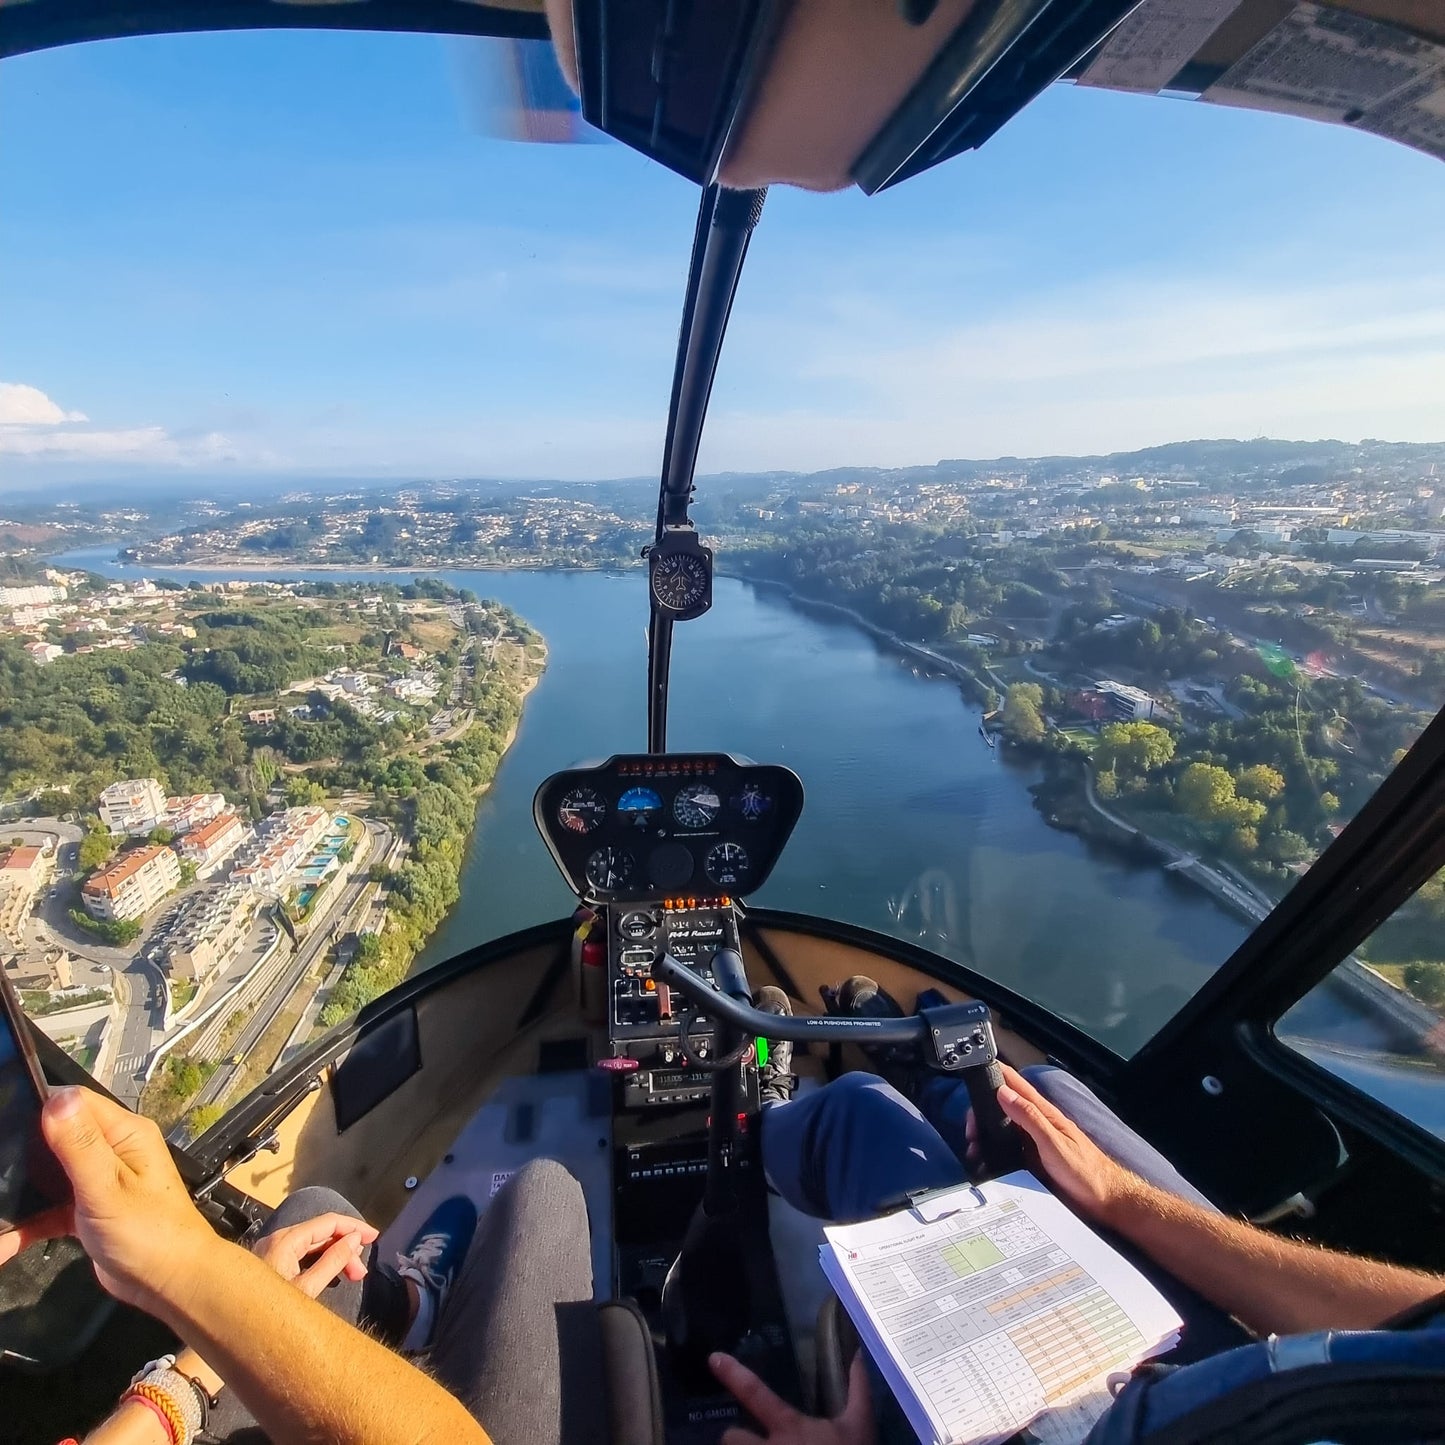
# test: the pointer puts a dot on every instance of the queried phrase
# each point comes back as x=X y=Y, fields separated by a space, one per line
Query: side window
x=1378 y=1020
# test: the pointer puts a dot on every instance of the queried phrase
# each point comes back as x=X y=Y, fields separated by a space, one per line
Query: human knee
x=309 y=1203
x=862 y=1101
x=546 y=1184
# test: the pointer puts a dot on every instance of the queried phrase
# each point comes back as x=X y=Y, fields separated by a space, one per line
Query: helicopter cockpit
x=623 y=1040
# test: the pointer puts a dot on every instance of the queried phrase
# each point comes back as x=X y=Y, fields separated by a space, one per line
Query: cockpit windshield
x=1078 y=511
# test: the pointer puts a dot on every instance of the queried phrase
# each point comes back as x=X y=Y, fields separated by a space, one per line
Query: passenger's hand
x=131 y=1211
x=332 y=1242
x=782 y=1424
x=1087 y=1177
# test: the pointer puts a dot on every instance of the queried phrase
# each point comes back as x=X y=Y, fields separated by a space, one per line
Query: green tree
x=95 y=848
x=1207 y=794
x=1133 y=747
x=1285 y=847
x=1426 y=980
x=302 y=791
x=1022 y=716
x=1260 y=782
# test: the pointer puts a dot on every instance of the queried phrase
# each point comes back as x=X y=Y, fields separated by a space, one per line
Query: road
x=266 y=1012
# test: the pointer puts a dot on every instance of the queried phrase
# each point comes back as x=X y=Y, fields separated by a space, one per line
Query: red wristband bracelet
x=156 y=1411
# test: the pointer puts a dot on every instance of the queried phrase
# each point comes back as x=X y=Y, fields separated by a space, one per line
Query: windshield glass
x=329 y=429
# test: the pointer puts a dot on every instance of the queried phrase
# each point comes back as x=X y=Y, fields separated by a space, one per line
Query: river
x=913 y=825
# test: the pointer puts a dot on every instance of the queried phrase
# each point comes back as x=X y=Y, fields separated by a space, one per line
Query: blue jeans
x=857 y=1148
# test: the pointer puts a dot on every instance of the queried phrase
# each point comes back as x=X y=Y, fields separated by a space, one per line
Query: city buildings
x=24 y=871
x=132 y=885
x=30 y=596
x=133 y=806
x=209 y=930
x=281 y=843
x=212 y=841
x=138 y=805
x=183 y=814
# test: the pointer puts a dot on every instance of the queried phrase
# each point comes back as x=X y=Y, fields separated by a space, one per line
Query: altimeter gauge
x=680 y=575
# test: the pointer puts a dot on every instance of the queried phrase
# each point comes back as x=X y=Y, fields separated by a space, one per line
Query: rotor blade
x=514 y=90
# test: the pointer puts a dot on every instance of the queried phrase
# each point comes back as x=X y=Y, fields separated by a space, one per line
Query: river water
x=913 y=825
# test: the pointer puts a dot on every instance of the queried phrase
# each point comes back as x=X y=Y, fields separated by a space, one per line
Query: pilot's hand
x=331 y=1242
x=131 y=1212
x=1077 y=1168
x=782 y=1424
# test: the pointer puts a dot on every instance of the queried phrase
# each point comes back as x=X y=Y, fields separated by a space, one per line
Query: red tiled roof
x=108 y=880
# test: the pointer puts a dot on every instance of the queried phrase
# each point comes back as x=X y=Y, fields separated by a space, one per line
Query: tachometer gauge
x=610 y=868
x=753 y=803
x=697 y=805
x=582 y=810
x=727 y=864
x=639 y=807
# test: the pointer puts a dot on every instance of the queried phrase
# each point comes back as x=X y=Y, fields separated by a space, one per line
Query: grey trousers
x=517 y=1342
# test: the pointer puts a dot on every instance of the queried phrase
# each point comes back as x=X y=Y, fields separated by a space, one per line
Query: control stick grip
x=731 y=977
x=999 y=1143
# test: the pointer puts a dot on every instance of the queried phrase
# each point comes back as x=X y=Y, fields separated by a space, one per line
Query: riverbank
x=422 y=892
x=976 y=690
x=225 y=563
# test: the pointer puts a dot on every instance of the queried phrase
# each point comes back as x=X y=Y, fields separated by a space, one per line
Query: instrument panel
x=652 y=825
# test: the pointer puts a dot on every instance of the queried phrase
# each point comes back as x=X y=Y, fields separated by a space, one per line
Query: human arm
x=1271 y=1284
x=302 y=1372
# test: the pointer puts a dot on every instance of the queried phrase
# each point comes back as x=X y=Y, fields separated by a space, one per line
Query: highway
x=221 y=1082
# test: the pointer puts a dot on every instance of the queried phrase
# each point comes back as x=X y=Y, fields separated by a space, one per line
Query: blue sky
x=290 y=254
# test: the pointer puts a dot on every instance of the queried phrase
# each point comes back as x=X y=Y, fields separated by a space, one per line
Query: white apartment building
x=1131 y=704
x=134 y=806
x=211 y=842
x=132 y=885
x=210 y=930
x=282 y=841
x=30 y=596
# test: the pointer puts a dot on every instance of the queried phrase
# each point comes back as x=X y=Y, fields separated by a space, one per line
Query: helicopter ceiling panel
x=656 y=825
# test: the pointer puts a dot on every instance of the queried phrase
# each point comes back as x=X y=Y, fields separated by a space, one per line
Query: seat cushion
x=634 y=1399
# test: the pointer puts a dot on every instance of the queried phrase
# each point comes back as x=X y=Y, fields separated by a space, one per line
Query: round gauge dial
x=637 y=926
x=727 y=864
x=753 y=803
x=639 y=807
x=679 y=581
x=582 y=810
x=697 y=805
x=610 y=868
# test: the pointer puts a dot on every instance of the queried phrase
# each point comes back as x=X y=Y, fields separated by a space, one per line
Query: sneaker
x=776 y=1080
x=431 y=1261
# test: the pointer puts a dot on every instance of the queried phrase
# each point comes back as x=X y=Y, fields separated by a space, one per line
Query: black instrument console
x=645 y=1019
x=643 y=827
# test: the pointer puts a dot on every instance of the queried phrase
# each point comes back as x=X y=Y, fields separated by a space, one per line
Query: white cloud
x=132 y=444
x=22 y=405
x=36 y=430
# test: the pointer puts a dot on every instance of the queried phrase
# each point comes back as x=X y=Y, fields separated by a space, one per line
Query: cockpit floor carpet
x=562 y=1116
